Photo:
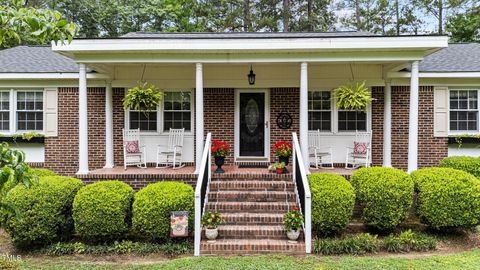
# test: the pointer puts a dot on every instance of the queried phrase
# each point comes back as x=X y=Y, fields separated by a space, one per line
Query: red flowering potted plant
x=220 y=150
x=293 y=221
x=283 y=150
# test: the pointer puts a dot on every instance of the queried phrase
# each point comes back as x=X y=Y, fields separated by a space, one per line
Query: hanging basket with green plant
x=143 y=97
x=353 y=97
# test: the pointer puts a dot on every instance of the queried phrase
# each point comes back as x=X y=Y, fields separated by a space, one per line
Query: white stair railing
x=302 y=190
x=201 y=191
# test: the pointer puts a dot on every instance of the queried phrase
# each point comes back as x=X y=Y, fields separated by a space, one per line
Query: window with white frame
x=29 y=110
x=464 y=110
x=145 y=120
x=4 y=110
x=319 y=110
x=177 y=110
x=352 y=120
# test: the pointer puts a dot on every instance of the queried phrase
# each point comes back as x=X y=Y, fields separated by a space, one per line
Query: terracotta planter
x=284 y=160
x=279 y=171
x=293 y=235
x=211 y=234
x=219 y=161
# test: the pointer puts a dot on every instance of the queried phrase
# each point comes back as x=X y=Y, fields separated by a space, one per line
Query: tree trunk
x=357 y=15
x=397 y=15
x=247 y=20
x=310 y=16
x=286 y=15
x=440 y=17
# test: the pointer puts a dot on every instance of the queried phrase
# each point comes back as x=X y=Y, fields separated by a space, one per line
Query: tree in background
x=441 y=9
x=315 y=15
x=20 y=24
x=465 y=27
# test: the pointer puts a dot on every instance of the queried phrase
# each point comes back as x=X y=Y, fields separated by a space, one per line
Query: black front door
x=252 y=127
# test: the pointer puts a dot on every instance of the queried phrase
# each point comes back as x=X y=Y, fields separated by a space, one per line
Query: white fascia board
x=436 y=75
x=258 y=44
x=48 y=76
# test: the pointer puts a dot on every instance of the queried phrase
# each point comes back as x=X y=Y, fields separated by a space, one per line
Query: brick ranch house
x=213 y=68
x=425 y=91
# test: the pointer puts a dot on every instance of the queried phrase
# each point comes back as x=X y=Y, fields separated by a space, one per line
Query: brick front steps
x=252 y=208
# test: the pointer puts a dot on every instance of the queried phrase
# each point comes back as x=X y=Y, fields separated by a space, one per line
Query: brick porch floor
x=138 y=177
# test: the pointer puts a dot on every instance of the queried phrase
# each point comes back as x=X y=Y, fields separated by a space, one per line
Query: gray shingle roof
x=457 y=57
x=210 y=35
x=34 y=59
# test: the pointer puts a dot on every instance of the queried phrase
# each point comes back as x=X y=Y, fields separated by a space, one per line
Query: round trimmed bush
x=385 y=193
x=45 y=210
x=333 y=199
x=102 y=211
x=447 y=198
x=463 y=163
x=41 y=172
x=152 y=207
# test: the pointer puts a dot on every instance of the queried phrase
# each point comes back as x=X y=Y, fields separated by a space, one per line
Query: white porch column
x=387 y=125
x=198 y=115
x=304 y=113
x=413 y=120
x=82 y=121
x=109 y=163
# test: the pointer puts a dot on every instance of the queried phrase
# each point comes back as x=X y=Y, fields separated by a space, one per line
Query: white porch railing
x=201 y=191
x=302 y=190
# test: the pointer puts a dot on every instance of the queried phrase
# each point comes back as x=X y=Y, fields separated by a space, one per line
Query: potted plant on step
x=210 y=222
x=293 y=221
x=283 y=150
x=279 y=167
x=220 y=150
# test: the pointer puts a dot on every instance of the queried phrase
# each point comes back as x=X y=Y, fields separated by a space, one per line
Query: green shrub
x=152 y=207
x=333 y=199
x=118 y=247
x=41 y=172
x=45 y=211
x=409 y=241
x=386 y=193
x=447 y=198
x=358 y=244
x=102 y=211
x=463 y=163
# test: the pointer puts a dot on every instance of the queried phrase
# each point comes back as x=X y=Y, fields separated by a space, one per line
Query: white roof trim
x=435 y=75
x=48 y=76
x=256 y=44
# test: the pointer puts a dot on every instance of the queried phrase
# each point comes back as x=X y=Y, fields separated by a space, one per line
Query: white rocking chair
x=359 y=154
x=319 y=155
x=171 y=155
x=136 y=157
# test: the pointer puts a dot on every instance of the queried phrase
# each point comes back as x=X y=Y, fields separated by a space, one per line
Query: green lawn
x=465 y=261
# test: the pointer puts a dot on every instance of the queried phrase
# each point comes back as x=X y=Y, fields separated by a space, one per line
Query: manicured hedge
x=447 y=198
x=41 y=172
x=102 y=211
x=463 y=163
x=333 y=199
x=152 y=207
x=386 y=193
x=45 y=210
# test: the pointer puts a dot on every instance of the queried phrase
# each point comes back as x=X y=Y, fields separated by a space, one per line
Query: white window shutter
x=440 y=111
x=51 y=112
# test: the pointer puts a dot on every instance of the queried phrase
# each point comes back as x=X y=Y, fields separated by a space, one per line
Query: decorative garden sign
x=179 y=224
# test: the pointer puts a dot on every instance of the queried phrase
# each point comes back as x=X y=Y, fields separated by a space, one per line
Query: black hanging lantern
x=251 y=77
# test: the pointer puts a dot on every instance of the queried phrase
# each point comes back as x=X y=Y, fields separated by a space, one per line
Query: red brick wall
x=431 y=150
x=219 y=116
x=287 y=99
x=118 y=125
x=61 y=152
x=377 y=125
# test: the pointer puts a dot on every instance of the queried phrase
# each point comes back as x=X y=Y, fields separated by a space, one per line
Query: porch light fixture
x=251 y=76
